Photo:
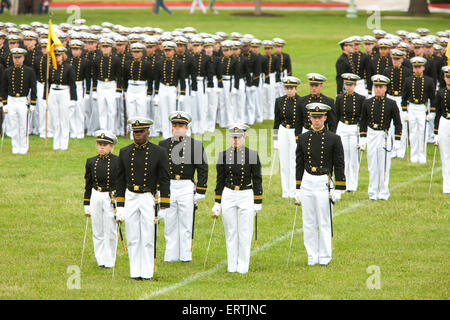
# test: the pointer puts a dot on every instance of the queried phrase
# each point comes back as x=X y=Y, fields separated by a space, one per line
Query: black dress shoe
x=146 y=279
x=136 y=278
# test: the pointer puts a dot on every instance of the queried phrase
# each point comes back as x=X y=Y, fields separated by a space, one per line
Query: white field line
x=272 y=243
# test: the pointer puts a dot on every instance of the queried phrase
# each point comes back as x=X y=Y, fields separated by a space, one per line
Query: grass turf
x=42 y=223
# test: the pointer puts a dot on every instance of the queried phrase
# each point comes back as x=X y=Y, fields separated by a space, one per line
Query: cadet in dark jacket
x=100 y=186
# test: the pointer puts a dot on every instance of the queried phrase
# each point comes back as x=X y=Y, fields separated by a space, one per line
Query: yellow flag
x=53 y=41
x=448 y=53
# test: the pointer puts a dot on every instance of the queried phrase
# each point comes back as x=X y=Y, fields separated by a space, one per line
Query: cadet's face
x=418 y=70
x=384 y=52
x=368 y=47
x=179 y=129
x=315 y=88
x=104 y=149
x=429 y=51
x=106 y=50
x=418 y=51
x=317 y=122
x=357 y=47
x=226 y=52
x=150 y=50
x=278 y=49
x=76 y=52
x=140 y=137
x=169 y=53
x=397 y=62
x=13 y=45
x=18 y=60
x=236 y=51
x=197 y=48
x=256 y=49
x=349 y=88
x=137 y=55
x=379 y=90
x=59 y=58
x=268 y=51
x=209 y=50
x=447 y=81
x=237 y=142
x=30 y=44
x=290 y=91
x=181 y=48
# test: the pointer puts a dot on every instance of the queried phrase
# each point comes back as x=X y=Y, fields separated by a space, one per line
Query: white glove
x=161 y=214
x=198 y=197
x=436 y=140
x=216 y=209
x=234 y=91
x=94 y=95
x=31 y=108
x=336 y=195
x=181 y=99
x=120 y=214
x=428 y=117
x=118 y=95
x=5 y=108
x=405 y=115
x=156 y=101
x=87 y=211
x=297 y=196
x=362 y=143
x=397 y=145
x=275 y=144
x=148 y=98
x=258 y=207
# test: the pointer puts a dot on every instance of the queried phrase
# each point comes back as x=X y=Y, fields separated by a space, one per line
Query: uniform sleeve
x=363 y=121
x=277 y=118
x=181 y=78
x=299 y=164
x=220 y=182
x=71 y=83
x=201 y=165
x=288 y=64
x=406 y=91
x=299 y=118
x=121 y=181
x=257 y=181
x=88 y=184
x=339 y=165
x=397 y=121
x=164 y=179
x=432 y=96
x=439 y=109
x=33 y=91
x=331 y=117
x=118 y=74
x=87 y=75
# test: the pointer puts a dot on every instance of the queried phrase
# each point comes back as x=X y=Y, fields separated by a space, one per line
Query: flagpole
x=46 y=96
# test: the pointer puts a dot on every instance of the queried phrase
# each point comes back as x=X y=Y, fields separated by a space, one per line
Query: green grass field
x=407 y=237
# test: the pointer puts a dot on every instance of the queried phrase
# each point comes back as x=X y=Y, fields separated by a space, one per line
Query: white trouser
x=361 y=87
x=211 y=109
x=225 y=104
x=41 y=106
x=16 y=123
x=120 y=115
x=77 y=114
x=349 y=134
x=316 y=218
x=104 y=229
x=167 y=104
x=444 y=146
x=178 y=221
x=136 y=101
x=400 y=153
x=199 y=105
x=417 y=138
x=58 y=107
x=430 y=127
x=92 y=116
x=378 y=163
x=269 y=98
x=107 y=105
x=186 y=105
x=250 y=105
x=286 y=152
x=259 y=112
x=140 y=231
x=279 y=89
x=237 y=215
x=239 y=103
x=199 y=3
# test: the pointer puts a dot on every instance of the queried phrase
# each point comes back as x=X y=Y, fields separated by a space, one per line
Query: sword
x=210 y=238
x=156 y=232
x=193 y=224
x=331 y=202
x=292 y=236
x=432 y=168
x=84 y=241
x=256 y=231
x=3 y=131
x=112 y=196
x=125 y=127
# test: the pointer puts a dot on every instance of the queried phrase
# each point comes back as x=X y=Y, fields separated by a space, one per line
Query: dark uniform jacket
x=81 y=67
x=202 y=67
x=377 y=113
x=107 y=68
x=239 y=169
x=18 y=82
x=376 y=66
x=100 y=174
x=185 y=157
x=397 y=77
x=320 y=152
x=348 y=108
x=64 y=75
x=331 y=122
x=442 y=107
x=138 y=70
x=143 y=168
x=170 y=73
x=344 y=64
x=288 y=112
x=271 y=64
x=227 y=66
x=418 y=90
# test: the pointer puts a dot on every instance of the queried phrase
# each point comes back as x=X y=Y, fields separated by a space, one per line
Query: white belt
x=137 y=82
x=79 y=83
x=200 y=78
x=226 y=77
x=59 y=86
